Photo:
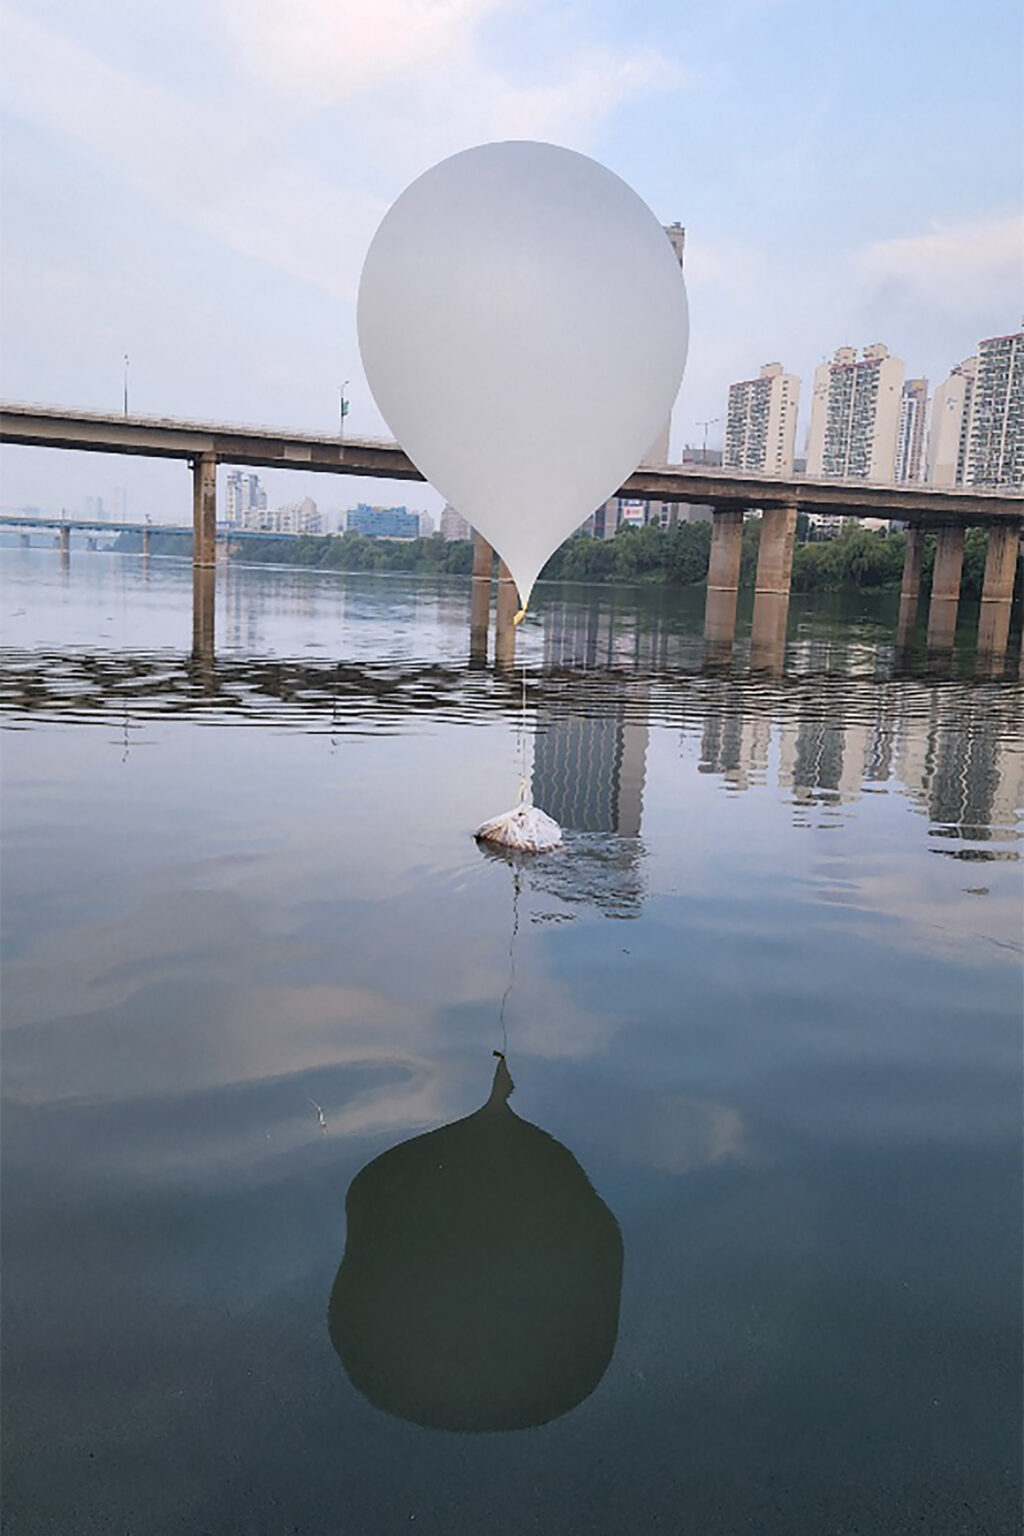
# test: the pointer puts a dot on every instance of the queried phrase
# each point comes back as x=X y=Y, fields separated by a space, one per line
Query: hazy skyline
x=196 y=185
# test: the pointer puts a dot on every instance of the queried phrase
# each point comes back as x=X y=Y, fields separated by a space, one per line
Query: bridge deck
x=271 y=448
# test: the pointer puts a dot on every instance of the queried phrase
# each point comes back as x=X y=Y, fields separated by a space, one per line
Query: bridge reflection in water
x=952 y=745
x=770 y=621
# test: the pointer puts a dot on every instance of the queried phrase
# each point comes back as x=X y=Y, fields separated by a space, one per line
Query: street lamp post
x=126 y=383
x=705 y=424
x=342 y=408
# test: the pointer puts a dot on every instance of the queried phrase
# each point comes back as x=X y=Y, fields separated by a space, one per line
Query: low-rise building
x=383 y=522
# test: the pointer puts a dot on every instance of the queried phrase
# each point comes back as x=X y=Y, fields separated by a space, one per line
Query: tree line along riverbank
x=856 y=558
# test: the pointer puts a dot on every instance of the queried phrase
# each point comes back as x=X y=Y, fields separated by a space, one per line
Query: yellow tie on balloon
x=523 y=326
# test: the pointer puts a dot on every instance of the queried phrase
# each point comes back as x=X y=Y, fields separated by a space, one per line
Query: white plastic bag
x=525 y=830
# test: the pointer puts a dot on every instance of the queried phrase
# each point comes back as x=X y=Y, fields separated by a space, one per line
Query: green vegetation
x=678 y=555
x=355 y=552
x=858 y=558
x=874 y=562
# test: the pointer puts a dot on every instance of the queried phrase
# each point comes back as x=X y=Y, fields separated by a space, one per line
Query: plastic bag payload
x=524 y=830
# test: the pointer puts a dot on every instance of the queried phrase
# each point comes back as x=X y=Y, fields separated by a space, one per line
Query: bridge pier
x=771 y=587
x=146 y=539
x=997 y=591
x=480 y=600
x=204 y=509
x=26 y=541
x=945 y=598
x=65 y=543
x=504 y=626
x=911 y=585
x=204 y=584
x=723 y=581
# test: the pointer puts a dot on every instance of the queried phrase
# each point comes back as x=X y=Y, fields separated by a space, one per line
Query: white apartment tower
x=245 y=499
x=235 y=503
x=760 y=425
x=995 y=451
x=453 y=524
x=949 y=434
x=910 y=436
x=855 y=415
x=658 y=451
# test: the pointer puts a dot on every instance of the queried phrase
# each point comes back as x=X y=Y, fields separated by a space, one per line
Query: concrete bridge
x=947 y=512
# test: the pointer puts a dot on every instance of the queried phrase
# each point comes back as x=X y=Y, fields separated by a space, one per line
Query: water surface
x=767 y=999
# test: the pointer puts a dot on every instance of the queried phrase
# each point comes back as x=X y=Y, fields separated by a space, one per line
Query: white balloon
x=523 y=327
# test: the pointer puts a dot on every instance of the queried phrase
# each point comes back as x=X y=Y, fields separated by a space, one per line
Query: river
x=765 y=1006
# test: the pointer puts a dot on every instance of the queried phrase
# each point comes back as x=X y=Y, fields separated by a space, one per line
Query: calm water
x=767 y=999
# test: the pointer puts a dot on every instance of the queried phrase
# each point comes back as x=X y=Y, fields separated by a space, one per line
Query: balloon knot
x=519 y=617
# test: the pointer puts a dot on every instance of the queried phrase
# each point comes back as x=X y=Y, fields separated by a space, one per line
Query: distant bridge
x=97 y=525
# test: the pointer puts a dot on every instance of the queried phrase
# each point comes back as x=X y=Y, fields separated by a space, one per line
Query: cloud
x=455 y=106
x=227 y=166
x=219 y=170
x=954 y=267
x=325 y=51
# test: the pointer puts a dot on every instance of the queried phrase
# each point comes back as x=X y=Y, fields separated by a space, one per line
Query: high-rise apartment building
x=760 y=424
x=454 y=525
x=246 y=499
x=234 y=498
x=910 y=436
x=855 y=414
x=659 y=449
x=995 y=447
x=949 y=432
x=677 y=240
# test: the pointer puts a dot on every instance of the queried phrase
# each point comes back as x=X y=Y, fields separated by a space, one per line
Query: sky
x=194 y=183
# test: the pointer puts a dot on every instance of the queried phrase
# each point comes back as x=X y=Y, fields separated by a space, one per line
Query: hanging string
x=522 y=745
x=516 y=887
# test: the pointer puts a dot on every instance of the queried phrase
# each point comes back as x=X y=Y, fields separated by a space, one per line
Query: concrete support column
x=775 y=551
x=723 y=579
x=771 y=588
x=204 y=510
x=504 y=628
x=912 y=564
x=997 y=591
x=65 y=543
x=911 y=586
x=768 y=632
x=480 y=601
x=204 y=582
x=949 y=560
x=26 y=541
x=146 y=537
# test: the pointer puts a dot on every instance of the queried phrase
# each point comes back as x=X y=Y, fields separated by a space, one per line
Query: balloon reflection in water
x=480 y=1284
